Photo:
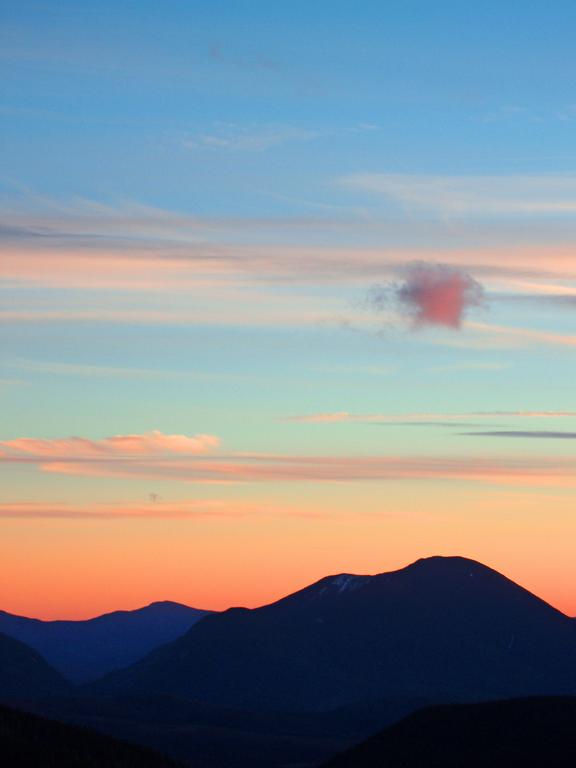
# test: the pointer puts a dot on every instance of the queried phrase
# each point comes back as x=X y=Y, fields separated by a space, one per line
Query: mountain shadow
x=29 y=741
x=521 y=733
x=216 y=737
x=25 y=673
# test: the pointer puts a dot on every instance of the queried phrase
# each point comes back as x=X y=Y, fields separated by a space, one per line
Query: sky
x=288 y=289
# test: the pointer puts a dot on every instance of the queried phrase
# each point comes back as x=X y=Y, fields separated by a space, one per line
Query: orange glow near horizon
x=76 y=569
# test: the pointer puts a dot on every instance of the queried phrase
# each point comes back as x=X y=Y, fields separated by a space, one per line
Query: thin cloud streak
x=75 y=232
x=194 y=509
x=115 y=372
x=152 y=266
x=415 y=418
x=158 y=510
x=262 y=468
x=511 y=195
x=469 y=367
x=537 y=434
x=230 y=137
x=509 y=336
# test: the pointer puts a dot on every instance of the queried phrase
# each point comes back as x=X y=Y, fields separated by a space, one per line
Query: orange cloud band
x=242 y=468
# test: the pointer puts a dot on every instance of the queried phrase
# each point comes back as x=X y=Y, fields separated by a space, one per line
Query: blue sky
x=199 y=201
x=122 y=100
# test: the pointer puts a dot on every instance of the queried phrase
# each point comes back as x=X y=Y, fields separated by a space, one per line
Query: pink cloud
x=435 y=294
x=152 y=443
x=429 y=294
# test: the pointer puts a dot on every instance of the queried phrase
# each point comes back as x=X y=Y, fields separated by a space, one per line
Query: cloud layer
x=184 y=459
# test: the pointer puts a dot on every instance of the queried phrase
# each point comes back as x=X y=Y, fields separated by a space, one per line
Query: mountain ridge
x=115 y=612
x=422 y=563
x=86 y=649
x=441 y=627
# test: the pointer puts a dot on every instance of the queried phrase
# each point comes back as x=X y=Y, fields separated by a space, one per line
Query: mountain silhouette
x=86 y=650
x=444 y=629
x=28 y=741
x=24 y=673
x=526 y=733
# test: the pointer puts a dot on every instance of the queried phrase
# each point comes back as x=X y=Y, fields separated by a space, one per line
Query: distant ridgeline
x=86 y=650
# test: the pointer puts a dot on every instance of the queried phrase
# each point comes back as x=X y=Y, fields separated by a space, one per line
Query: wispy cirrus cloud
x=188 y=509
x=137 y=264
x=186 y=305
x=322 y=469
x=182 y=461
x=488 y=335
x=256 y=137
x=109 y=371
x=521 y=433
x=404 y=418
x=469 y=366
x=505 y=195
x=247 y=138
x=129 y=246
x=334 y=417
x=91 y=371
x=184 y=509
x=127 y=231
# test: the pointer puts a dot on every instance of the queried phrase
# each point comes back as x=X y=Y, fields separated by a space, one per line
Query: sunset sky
x=288 y=289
